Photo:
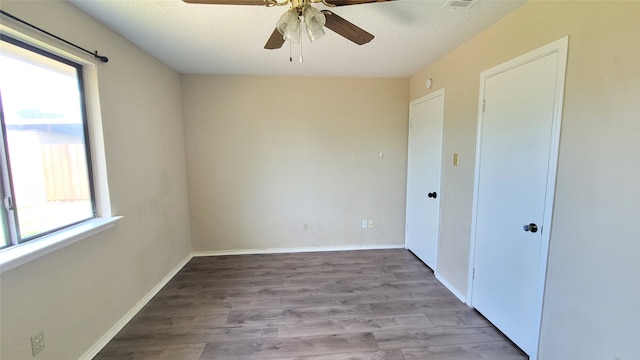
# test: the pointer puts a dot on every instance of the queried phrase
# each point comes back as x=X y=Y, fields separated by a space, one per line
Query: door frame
x=561 y=48
x=432 y=95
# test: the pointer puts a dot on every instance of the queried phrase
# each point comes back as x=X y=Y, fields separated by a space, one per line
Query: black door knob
x=531 y=227
x=432 y=195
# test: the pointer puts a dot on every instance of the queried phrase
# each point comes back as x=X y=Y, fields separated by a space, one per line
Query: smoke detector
x=460 y=3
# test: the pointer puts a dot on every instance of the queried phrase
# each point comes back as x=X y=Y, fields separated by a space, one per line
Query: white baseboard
x=452 y=289
x=95 y=349
x=297 y=250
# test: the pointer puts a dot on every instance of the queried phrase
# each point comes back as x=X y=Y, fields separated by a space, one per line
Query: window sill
x=21 y=254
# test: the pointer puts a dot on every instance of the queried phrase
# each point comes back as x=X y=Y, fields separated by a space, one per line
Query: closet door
x=423 y=177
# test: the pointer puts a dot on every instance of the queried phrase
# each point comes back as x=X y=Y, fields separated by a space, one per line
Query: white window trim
x=20 y=254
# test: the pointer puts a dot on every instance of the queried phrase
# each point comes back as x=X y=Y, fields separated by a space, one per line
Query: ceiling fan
x=301 y=12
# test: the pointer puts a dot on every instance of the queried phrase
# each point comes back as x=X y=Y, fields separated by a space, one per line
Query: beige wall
x=268 y=154
x=593 y=286
x=261 y=165
x=78 y=293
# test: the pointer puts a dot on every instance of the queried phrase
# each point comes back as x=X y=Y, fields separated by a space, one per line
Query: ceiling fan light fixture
x=289 y=25
x=314 y=21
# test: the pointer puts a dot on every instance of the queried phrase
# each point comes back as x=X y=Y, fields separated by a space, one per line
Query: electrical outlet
x=370 y=224
x=365 y=224
x=37 y=343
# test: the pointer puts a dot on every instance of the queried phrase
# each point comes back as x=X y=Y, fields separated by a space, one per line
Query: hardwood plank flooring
x=352 y=305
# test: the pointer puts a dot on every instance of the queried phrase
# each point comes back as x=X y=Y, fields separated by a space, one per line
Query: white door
x=423 y=176
x=515 y=180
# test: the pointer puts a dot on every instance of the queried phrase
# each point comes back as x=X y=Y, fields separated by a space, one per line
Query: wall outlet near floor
x=37 y=343
x=370 y=224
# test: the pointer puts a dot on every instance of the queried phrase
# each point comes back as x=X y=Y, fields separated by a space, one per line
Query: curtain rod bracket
x=100 y=57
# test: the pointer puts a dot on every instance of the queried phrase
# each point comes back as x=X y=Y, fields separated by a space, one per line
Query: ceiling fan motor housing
x=298 y=4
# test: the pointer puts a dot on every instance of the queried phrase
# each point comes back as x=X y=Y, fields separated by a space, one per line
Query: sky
x=27 y=85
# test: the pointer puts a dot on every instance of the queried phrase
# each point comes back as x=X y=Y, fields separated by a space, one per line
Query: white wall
x=593 y=280
x=268 y=154
x=78 y=293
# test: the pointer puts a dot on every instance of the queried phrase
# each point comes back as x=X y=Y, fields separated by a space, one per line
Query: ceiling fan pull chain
x=301 y=49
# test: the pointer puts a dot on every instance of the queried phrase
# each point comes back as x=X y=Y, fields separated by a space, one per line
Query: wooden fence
x=65 y=172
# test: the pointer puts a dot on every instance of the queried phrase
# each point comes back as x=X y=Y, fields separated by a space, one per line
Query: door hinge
x=8 y=203
x=473 y=275
x=484 y=104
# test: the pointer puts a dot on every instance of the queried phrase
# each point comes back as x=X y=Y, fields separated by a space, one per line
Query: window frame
x=12 y=215
x=22 y=253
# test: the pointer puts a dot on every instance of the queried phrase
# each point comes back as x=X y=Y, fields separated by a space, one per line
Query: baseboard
x=451 y=288
x=95 y=349
x=297 y=250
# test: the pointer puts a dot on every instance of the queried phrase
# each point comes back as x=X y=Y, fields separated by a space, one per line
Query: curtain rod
x=94 y=54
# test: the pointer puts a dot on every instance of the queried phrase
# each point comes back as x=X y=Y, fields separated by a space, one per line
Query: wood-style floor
x=358 y=305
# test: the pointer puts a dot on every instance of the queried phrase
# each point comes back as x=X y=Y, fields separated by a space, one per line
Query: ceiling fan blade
x=227 y=2
x=276 y=40
x=346 y=29
x=353 y=2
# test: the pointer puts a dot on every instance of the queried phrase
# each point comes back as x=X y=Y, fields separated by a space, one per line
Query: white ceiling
x=229 y=39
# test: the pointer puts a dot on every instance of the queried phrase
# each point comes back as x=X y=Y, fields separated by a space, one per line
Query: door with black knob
x=513 y=200
x=423 y=177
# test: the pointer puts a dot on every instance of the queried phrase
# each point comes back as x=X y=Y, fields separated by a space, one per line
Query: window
x=46 y=180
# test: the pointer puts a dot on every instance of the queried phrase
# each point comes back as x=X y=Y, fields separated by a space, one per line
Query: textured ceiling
x=229 y=39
